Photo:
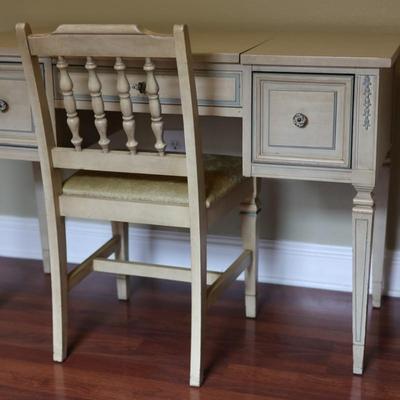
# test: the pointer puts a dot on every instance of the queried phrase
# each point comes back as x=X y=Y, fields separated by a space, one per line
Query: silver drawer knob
x=300 y=120
x=3 y=106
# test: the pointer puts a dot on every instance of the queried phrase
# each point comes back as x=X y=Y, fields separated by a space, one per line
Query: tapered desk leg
x=41 y=210
x=249 y=211
x=363 y=213
x=379 y=242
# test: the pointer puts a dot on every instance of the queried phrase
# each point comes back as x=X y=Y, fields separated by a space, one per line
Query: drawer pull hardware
x=140 y=87
x=3 y=106
x=300 y=120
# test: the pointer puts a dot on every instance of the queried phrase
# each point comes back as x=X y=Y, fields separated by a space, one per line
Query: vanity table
x=314 y=107
x=319 y=107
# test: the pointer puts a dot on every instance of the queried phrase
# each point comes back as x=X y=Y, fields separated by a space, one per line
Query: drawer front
x=302 y=119
x=214 y=88
x=16 y=122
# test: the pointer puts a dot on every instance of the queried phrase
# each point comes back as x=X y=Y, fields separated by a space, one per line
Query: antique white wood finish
x=66 y=87
x=76 y=41
x=86 y=267
x=302 y=119
x=100 y=120
x=117 y=161
x=166 y=272
x=219 y=87
x=207 y=46
x=52 y=181
x=121 y=229
x=128 y=119
x=324 y=50
x=224 y=88
x=368 y=148
x=363 y=213
x=152 y=90
x=234 y=270
x=249 y=232
x=17 y=130
x=16 y=120
x=41 y=209
x=369 y=109
x=379 y=236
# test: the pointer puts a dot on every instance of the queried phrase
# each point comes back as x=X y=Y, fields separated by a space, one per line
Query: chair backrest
x=118 y=42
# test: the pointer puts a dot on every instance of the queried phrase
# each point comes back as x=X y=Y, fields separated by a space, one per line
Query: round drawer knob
x=3 y=106
x=300 y=120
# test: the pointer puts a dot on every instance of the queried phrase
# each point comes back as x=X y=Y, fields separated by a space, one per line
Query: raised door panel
x=302 y=119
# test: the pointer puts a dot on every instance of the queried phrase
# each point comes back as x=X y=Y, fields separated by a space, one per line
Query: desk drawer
x=215 y=88
x=302 y=119
x=16 y=120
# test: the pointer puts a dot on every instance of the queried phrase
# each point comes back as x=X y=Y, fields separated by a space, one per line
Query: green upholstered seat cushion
x=222 y=174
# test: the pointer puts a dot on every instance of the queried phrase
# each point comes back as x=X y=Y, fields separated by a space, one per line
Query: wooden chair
x=121 y=186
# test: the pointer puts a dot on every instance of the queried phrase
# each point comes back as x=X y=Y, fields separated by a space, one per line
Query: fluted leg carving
x=363 y=213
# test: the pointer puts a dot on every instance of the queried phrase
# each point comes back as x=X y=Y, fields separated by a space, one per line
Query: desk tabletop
x=224 y=47
x=218 y=47
x=326 y=50
x=285 y=49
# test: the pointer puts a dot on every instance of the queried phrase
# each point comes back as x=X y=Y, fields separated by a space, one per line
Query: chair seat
x=222 y=174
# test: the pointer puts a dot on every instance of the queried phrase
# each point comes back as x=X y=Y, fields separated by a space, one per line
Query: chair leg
x=59 y=287
x=41 y=210
x=199 y=291
x=121 y=228
x=249 y=230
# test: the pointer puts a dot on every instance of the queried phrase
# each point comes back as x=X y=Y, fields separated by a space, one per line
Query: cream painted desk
x=318 y=107
x=314 y=107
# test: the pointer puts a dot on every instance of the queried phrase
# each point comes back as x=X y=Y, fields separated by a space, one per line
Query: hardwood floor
x=299 y=348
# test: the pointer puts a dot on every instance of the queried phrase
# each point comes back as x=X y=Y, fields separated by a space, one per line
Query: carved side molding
x=367 y=92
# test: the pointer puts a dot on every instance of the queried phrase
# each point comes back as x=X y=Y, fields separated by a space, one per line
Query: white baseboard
x=282 y=262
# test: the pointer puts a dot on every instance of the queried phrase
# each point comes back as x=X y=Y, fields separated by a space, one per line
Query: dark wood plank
x=299 y=347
